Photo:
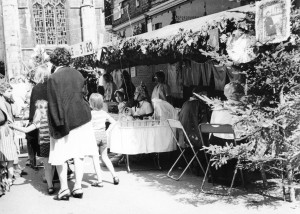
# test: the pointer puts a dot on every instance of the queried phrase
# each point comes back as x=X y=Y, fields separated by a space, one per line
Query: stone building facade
x=25 y=24
x=132 y=17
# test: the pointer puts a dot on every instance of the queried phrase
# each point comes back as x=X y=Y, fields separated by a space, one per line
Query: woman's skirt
x=78 y=143
x=8 y=148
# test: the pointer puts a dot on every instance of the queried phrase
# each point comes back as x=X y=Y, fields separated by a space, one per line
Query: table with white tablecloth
x=140 y=137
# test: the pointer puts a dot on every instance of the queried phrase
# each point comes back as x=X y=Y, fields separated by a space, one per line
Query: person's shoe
x=40 y=164
x=50 y=190
x=116 y=180
x=28 y=163
x=77 y=193
x=97 y=184
x=63 y=195
x=23 y=173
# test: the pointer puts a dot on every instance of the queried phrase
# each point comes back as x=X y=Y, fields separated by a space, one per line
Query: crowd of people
x=65 y=125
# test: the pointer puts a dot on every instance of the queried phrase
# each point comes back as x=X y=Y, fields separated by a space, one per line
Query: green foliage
x=270 y=115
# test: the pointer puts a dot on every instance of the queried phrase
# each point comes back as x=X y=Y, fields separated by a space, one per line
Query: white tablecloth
x=140 y=140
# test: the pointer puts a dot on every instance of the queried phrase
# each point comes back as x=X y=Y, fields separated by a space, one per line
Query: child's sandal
x=97 y=184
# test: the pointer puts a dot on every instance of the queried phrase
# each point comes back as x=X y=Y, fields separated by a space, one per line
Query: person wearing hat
x=193 y=112
x=8 y=147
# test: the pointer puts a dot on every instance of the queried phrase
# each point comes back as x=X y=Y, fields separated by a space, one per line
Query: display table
x=140 y=137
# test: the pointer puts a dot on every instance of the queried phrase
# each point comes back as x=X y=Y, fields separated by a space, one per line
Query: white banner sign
x=82 y=49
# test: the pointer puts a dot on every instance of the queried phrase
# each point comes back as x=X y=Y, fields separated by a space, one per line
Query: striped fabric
x=44 y=132
x=44 y=138
x=8 y=148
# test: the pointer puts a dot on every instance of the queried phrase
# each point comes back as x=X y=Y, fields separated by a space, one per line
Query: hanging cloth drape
x=187 y=74
x=213 y=40
x=206 y=70
x=219 y=76
x=175 y=80
x=196 y=72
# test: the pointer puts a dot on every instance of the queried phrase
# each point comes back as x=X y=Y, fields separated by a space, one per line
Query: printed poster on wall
x=272 y=20
x=132 y=72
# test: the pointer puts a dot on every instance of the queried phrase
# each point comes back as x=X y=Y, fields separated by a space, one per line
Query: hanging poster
x=272 y=20
x=132 y=72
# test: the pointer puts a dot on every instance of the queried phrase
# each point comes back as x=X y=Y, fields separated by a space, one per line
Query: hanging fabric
x=175 y=80
x=207 y=70
x=117 y=78
x=196 y=69
x=213 y=40
x=219 y=72
x=187 y=74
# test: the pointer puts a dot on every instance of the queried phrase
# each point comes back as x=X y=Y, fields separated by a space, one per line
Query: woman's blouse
x=161 y=91
x=222 y=115
x=145 y=108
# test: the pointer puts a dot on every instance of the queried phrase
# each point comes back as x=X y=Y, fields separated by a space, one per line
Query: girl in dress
x=99 y=118
x=8 y=147
x=40 y=122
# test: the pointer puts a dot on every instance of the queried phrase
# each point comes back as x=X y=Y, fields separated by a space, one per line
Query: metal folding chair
x=224 y=129
x=174 y=125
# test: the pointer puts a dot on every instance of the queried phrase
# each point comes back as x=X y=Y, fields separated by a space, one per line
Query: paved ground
x=140 y=192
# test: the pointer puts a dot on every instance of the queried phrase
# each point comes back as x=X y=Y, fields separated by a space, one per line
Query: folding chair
x=224 y=129
x=174 y=125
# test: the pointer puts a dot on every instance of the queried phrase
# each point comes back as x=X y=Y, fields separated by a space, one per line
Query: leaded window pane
x=61 y=24
x=39 y=29
x=50 y=22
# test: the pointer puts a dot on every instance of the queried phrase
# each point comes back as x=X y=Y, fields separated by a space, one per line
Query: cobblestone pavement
x=139 y=192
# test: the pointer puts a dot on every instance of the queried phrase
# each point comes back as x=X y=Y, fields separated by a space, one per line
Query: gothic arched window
x=50 y=22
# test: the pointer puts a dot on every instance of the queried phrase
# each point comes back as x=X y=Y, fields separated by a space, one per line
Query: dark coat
x=193 y=112
x=67 y=108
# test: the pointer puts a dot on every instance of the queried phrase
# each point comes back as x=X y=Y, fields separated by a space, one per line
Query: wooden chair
x=176 y=125
x=217 y=128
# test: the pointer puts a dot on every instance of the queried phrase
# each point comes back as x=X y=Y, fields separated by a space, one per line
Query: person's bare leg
x=10 y=170
x=62 y=174
x=48 y=172
x=78 y=168
x=107 y=162
x=97 y=167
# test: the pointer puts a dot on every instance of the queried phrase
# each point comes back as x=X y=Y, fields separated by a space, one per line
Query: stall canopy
x=171 y=43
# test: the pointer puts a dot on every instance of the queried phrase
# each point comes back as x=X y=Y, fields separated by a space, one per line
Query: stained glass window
x=50 y=22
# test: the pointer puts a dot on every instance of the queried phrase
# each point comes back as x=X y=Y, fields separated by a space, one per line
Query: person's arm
x=111 y=120
x=24 y=129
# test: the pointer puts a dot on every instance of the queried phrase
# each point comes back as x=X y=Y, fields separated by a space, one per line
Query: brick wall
x=132 y=10
x=145 y=73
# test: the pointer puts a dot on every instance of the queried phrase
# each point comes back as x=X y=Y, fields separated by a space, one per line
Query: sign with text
x=132 y=72
x=272 y=21
x=82 y=49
